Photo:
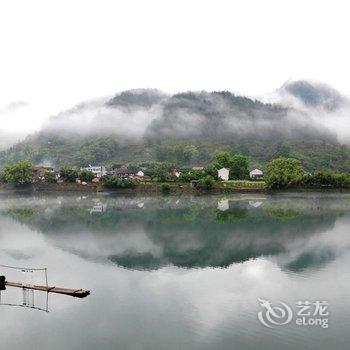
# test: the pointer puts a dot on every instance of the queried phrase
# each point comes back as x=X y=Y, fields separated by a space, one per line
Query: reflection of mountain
x=168 y=231
x=311 y=259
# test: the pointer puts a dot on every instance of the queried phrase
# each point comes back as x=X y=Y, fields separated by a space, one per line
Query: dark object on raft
x=2 y=283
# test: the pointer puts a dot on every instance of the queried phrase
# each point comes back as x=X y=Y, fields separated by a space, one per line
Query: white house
x=98 y=171
x=256 y=174
x=223 y=174
x=140 y=173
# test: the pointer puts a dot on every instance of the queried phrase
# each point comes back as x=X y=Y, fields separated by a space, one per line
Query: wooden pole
x=78 y=293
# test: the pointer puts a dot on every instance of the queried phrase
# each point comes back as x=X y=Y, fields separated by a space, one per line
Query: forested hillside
x=140 y=126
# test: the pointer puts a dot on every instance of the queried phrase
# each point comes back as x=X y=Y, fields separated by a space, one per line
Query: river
x=187 y=272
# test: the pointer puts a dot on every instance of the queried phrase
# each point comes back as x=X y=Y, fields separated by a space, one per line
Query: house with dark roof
x=40 y=171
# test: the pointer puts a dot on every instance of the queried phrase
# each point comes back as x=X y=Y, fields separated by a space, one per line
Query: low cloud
x=152 y=115
x=100 y=117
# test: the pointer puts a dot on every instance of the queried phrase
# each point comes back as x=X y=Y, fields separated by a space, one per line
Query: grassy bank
x=146 y=187
x=243 y=185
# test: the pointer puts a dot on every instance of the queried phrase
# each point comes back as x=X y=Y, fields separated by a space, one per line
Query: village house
x=223 y=174
x=98 y=171
x=40 y=171
x=117 y=166
x=175 y=172
x=140 y=173
x=256 y=174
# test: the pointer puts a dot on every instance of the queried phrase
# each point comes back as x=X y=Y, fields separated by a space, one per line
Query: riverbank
x=145 y=187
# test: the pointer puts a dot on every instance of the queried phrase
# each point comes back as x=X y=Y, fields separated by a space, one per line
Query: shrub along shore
x=280 y=174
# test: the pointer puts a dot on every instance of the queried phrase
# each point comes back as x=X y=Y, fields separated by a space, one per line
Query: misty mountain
x=150 y=115
x=223 y=116
x=145 y=98
x=315 y=95
x=7 y=138
x=148 y=125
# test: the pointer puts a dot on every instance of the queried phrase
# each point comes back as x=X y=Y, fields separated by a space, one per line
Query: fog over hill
x=214 y=115
x=135 y=124
x=315 y=95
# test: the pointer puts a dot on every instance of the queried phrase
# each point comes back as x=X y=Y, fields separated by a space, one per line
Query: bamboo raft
x=77 y=293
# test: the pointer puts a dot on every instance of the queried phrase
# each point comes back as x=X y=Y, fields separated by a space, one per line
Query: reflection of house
x=255 y=204
x=98 y=208
x=98 y=171
x=223 y=205
x=40 y=171
x=223 y=174
x=256 y=174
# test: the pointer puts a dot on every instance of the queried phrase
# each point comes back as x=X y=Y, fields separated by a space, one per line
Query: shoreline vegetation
x=164 y=178
x=143 y=187
x=151 y=188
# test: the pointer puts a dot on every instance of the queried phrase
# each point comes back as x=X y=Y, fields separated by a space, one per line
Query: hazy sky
x=57 y=53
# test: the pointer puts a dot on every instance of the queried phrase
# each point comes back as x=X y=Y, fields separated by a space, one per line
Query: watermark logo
x=272 y=316
x=307 y=313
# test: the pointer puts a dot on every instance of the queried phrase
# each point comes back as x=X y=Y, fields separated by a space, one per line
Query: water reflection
x=177 y=272
x=28 y=299
x=149 y=233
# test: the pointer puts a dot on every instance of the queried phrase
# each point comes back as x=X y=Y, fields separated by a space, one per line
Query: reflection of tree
x=231 y=215
x=190 y=234
x=21 y=213
x=283 y=214
x=139 y=261
x=311 y=259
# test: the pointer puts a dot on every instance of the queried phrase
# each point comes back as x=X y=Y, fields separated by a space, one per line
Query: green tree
x=284 y=173
x=238 y=167
x=19 y=174
x=212 y=171
x=324 y=178
x=190 y=153
x=115 y=182
x=50 y=177
x=237 y=164
x=68 y=174
x=222 y=160
x=86 y=175
x=160 y=171
x=206 y=182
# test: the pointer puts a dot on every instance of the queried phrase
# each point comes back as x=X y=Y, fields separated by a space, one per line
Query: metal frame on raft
x=77 y=293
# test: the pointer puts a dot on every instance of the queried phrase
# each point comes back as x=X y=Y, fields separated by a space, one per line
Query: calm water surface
x=174 y=272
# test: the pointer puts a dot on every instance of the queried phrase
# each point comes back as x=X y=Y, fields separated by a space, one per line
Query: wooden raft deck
x=78 y=293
